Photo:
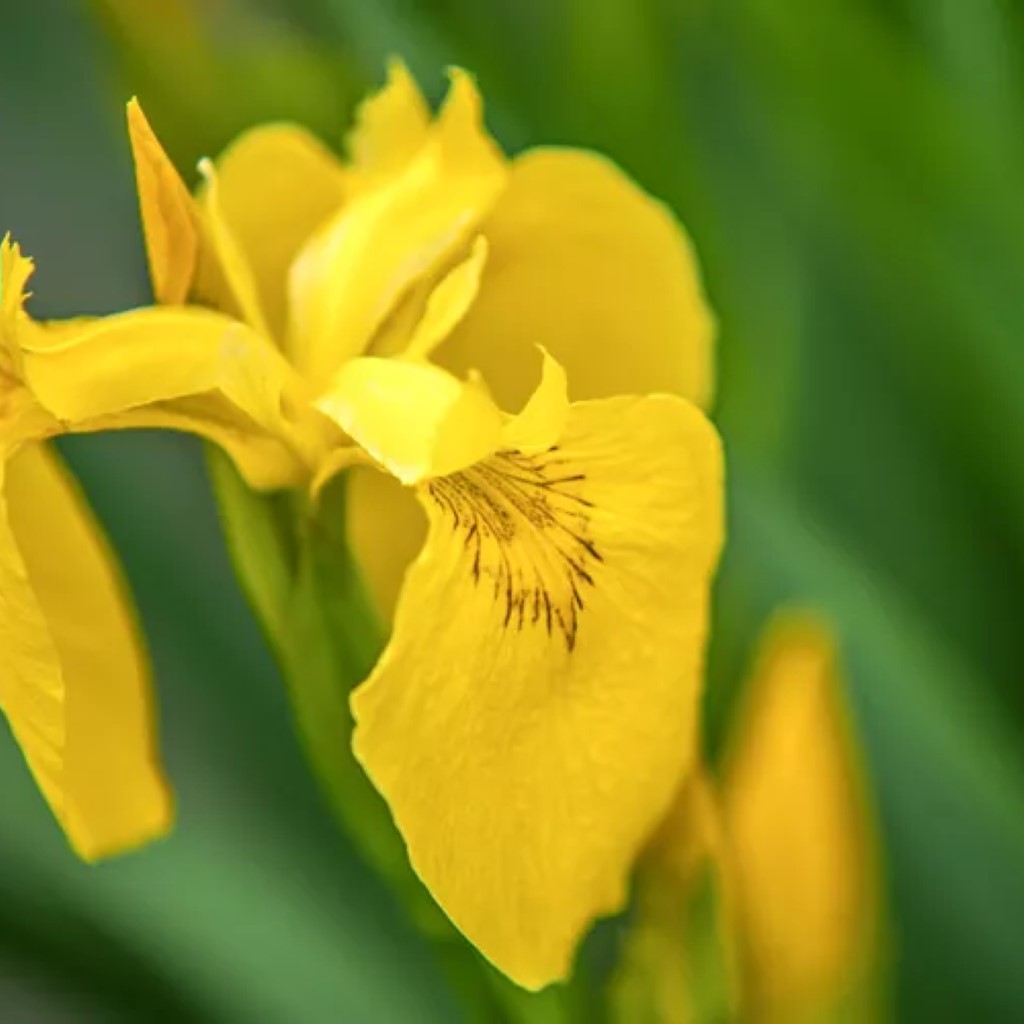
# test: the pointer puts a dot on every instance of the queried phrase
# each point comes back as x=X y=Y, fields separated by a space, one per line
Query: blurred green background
x=852 y=172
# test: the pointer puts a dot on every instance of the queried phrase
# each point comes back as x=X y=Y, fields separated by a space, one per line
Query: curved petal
x=184 y=368
x=541 y=422
x=800 y=830
x=75 y=684
x=414 y=419
x=390 y=127
x=15 y=271
x=276 y=185
x=386 y=527
x=536 y=707
x=192 y=253
x=585 y=263
x=351 y=274
x=242 y=297
x=447 y=303
x=168 y=213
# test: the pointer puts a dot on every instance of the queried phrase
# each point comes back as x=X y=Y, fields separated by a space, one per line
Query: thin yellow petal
x=232 y=261
x=77 y=690
x=168 y=213
x=390 y=126
x=414 y=419
x=185 y=368
x=276 y=185
x=15 y=271
x=536 y=708
x=586 y=264
x=448 y=302
x=543 y=418
x=801 y=833
x=350 y=276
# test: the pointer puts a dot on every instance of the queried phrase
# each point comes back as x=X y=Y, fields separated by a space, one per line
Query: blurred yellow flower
x=790 y=834
x=75 y=686
x=536 y=707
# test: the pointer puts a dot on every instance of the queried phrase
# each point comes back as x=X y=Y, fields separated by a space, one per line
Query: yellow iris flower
x=536 y=706
x=75 y=685
x=790 y=838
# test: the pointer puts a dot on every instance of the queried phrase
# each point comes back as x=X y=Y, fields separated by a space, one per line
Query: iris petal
x=537 y=704
x=75 y=687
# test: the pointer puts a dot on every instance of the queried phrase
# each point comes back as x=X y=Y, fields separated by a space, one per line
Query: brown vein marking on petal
x=525 y=523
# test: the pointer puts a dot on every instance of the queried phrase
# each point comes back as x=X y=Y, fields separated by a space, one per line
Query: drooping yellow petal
x=390 y=127
x=801 y=835
x=536 y=707
x=351 y=274
x=586 y=264
x=183 y=368
x=276 y=185
x=31 y=687
x=75 y=687
x=168 y=213
x=414 y=419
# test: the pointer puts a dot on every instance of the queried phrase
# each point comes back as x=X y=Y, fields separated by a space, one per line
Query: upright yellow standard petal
x=75 y=686
x=242 y=292
x=276 y=185
x=168 y=213
x=15 y=271
x=185 y=368
x=585 y=263
x=390 y=128
x=536 y=707
x=801 y=834
x=351 y=274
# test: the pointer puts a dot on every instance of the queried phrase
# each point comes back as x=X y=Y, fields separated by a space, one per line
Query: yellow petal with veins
x=277 y=184
x=415 y=419
x=537 y=705
x=75 y=687
x=168 y=213
x=351 y=274
x=187 y=368
x=585 y=263
x=800 y=831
